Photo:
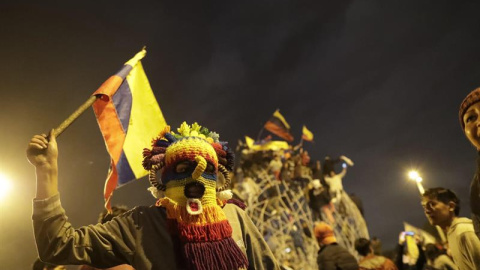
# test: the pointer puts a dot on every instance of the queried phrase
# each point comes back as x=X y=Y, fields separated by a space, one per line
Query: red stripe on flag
x=110 y=185
x=109 y=87
x=279 y=131
x=111 y=128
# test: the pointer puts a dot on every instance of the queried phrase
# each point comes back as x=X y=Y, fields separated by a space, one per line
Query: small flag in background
x=307 y=135
x=278 y=126
x=129 y=118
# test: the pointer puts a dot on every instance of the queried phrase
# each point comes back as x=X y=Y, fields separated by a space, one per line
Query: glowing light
x=5 y=186
x=413 y=175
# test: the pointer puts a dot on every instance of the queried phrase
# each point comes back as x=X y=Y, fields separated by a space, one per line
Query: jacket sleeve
x=101 y=245
x=470 y=246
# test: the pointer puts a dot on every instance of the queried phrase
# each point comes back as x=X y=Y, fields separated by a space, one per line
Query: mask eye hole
x=183 y=166
x=210 y=168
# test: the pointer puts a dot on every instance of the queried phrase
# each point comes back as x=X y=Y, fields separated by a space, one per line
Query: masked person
x=190 y=227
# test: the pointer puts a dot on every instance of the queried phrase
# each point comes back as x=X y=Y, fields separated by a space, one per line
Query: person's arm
x=422 y=260
x=399 y=250
x=57 y=241
x=42 y=153
x=343 y=172
x=446 y=262
x=101 y=245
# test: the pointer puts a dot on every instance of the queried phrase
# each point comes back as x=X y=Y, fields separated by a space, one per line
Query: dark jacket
x=335 y=257
x=138 y=237
x=419 y=264
x=475 y=199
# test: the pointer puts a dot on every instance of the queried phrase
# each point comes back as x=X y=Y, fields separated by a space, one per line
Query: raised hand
x=42 y=151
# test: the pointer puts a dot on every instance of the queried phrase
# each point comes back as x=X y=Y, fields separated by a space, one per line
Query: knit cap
x=324 y=233
x=471 y=99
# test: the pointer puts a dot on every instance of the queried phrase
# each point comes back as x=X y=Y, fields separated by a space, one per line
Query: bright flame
x=5 y=186
x=413 y=175
x=419 y=179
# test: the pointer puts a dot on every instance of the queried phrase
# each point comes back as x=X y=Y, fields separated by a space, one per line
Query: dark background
x=377 y=81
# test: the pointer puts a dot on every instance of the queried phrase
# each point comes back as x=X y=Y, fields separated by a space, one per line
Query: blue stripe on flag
x=124 y=71
x=122 y=100
x=124 y=171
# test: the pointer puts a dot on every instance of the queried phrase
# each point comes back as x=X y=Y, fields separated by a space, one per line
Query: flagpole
x=260 y=134
x=67 y=122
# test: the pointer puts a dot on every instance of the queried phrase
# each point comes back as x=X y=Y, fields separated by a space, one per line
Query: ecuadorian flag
x=307 y=135
x=279 y=126
x=129 y=118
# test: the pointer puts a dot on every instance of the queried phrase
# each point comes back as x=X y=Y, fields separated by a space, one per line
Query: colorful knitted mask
x=189 y=162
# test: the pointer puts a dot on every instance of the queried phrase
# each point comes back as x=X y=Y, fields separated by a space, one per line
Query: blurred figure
x=319 y=199
x=410 y=255
x=376 y=245
x=442 y=206
x=104 y=217
x=436 y=260
x=333 y=179
x=371 y=261
x=332 y=256
x=275 y=166
x=39 y=265
x=317 y=170
x=469 y=116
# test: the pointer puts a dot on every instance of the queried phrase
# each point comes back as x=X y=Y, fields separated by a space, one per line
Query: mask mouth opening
x=194 y=206
x=194 y=190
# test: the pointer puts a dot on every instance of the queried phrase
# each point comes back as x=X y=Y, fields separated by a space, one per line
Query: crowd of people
x=197 y=224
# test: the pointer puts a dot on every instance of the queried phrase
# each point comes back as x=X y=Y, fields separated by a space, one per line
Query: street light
x=413 y=175
x=5 y=186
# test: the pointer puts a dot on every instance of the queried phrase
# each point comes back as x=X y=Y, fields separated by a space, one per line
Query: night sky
x=377 y=81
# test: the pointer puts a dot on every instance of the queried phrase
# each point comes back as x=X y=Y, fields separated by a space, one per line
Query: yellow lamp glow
x=5 y=186
x=413 y=175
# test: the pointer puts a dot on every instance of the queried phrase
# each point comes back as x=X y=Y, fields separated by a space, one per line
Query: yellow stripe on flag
x=146 y=119
x=307 y=135
x=280 y=116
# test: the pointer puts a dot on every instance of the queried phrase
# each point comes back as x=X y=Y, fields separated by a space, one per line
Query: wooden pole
x=259 y=134
x=67 y=122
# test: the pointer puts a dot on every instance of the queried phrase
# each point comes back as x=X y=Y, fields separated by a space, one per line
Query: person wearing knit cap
x=193 y=225
x=331 y=255
x=469 y=116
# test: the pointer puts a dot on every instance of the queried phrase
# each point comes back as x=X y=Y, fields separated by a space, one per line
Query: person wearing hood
x=442 y=207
